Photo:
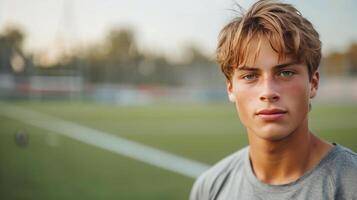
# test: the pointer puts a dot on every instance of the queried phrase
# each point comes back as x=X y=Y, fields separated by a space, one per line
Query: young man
x=270 y=56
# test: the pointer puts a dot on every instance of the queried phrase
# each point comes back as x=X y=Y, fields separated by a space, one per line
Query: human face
x=272 y=96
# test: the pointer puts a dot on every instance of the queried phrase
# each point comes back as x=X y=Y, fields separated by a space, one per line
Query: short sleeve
x=197 y=189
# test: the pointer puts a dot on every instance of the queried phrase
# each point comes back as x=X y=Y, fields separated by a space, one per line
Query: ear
x=230 y=93
x=314 y=84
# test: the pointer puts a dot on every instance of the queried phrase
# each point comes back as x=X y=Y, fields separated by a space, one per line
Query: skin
x=283 y=149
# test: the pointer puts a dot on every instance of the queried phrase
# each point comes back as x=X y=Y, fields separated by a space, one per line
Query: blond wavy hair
x=289 y=34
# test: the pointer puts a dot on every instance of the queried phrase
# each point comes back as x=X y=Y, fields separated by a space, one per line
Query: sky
x=161 y=26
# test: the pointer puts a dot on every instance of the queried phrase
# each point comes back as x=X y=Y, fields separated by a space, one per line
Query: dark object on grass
x=21 y=138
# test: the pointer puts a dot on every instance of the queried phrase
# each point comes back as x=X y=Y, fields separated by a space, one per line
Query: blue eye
x=286 y=73
x=250 y=77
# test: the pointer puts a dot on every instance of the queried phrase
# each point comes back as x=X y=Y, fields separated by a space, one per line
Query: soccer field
x=53 y=166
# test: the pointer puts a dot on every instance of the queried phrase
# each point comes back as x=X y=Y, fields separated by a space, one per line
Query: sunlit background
x=123 y=99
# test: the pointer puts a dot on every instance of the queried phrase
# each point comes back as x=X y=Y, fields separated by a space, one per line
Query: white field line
x=116 y=144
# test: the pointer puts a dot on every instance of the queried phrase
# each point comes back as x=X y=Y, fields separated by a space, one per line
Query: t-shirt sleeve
x=209 y=183
x=197 y=189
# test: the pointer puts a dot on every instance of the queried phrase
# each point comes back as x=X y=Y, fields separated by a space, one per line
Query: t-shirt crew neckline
x=256 y=183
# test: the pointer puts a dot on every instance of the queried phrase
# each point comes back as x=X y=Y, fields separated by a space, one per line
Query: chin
x=273 y=133
x=274 y=137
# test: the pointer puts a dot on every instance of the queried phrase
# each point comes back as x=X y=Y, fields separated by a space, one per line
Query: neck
x=285 y=160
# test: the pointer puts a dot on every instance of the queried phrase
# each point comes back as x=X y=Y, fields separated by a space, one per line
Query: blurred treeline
x=117 y=59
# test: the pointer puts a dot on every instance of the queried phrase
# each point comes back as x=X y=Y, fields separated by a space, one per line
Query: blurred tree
x=12 y=57
x=116 y=59
x=195 y=55
x=335 y=64
x=352 y=59
x=15 y=37
x=198 y=68
x=121 y=46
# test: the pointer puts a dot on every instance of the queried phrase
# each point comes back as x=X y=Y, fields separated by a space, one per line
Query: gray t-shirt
x=335 y=177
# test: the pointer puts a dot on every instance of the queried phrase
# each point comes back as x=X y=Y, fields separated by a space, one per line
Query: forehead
x=260 y=52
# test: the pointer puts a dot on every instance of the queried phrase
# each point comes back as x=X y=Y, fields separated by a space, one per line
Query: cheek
x=297 y=96
x=245 y=103
x=244 y=94
x=301 y=90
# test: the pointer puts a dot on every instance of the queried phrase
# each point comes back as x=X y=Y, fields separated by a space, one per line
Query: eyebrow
x=276 y=67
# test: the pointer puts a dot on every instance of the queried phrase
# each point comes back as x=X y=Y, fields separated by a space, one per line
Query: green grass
x=55 y=167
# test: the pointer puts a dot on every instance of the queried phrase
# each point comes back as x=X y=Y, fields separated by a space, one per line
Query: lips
x=271 y=114
x=271 y=111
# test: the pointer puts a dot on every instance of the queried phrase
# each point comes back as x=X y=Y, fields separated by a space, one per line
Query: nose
x=269 y=91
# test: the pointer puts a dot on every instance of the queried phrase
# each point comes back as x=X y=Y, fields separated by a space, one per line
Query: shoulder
x=343 y=160
x=343 y=170
x=209 y=182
